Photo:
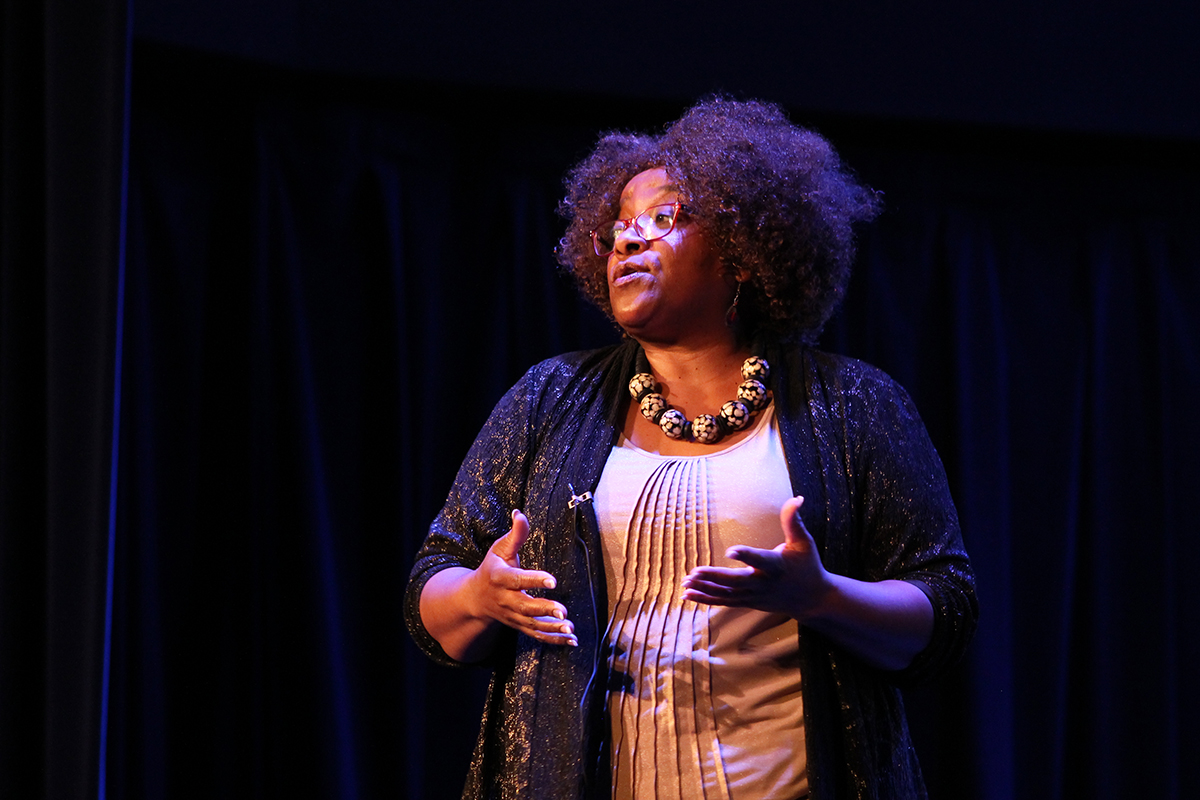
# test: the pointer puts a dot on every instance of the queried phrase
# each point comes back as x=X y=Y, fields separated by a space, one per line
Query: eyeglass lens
x=653 y=223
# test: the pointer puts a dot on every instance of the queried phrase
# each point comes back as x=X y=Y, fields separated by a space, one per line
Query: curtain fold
x=65 y=112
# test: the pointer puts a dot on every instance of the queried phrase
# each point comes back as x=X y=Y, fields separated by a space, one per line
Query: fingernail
x=558 y=614
x=549 y=583
x=573 y=642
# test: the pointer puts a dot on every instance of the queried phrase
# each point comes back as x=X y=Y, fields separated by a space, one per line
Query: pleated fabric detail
x=700 y=696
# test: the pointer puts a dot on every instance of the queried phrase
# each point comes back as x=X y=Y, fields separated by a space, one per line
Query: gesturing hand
x=497 y=590
x=788 y=579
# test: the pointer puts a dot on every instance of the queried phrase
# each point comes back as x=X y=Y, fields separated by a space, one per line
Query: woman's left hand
x=886 y=623
x=789 y=579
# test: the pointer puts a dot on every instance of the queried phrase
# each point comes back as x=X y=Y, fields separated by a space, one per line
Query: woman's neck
x=695 y=377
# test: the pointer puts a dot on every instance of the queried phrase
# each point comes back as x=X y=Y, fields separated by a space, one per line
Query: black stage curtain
x=331 y=282
x=62 y=147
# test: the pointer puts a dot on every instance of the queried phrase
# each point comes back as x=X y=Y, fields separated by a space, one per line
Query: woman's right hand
x=465 y=609
x=498 y=591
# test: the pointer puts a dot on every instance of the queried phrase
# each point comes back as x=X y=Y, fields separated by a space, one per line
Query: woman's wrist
x=886 y=623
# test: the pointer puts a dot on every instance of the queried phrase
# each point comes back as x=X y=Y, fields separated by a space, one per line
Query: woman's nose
x=628 y=241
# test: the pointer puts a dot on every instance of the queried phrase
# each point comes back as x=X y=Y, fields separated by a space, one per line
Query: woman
x=717 y=608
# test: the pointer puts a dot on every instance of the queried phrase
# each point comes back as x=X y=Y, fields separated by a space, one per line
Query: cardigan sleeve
x=908 y=525
x=489 y=485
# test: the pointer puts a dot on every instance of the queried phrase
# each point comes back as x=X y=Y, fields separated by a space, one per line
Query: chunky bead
x=705 y=429
x=641 y=383
x=673 y=423
x=755 y=368
x=652 y=406
x=753 y=393
x=735 y=415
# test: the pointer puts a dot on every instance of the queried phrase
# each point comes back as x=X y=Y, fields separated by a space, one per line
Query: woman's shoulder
x=572 y=380
x=570 y=367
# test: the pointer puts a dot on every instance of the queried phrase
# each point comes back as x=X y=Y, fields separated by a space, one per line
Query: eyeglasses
x=653 y=223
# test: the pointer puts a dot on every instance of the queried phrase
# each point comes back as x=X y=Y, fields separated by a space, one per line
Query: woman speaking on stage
x=701 y=563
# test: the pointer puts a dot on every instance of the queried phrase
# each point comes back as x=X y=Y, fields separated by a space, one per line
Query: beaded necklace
x=706 y=428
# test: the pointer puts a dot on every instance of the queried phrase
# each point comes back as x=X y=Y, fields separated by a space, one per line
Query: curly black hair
x=773 y=198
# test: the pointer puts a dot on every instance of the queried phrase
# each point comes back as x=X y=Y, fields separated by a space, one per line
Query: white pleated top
x=705 y=701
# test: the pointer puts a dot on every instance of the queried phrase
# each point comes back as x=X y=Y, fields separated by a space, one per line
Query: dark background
x=266 y=268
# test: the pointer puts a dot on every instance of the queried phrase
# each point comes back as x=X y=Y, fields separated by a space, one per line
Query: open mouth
x=628 y=271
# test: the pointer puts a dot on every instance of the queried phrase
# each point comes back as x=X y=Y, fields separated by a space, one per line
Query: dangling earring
x=731 y=316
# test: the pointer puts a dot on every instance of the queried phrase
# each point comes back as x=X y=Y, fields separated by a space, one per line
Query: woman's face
x=669 y=289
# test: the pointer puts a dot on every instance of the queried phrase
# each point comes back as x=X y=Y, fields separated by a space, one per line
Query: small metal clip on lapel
x=576 y=499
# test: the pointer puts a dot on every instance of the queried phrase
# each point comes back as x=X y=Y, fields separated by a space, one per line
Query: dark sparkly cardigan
x=876 y=502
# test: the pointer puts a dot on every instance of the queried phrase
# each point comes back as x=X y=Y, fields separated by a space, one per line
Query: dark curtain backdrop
x=329 y=284
x=63 y=124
